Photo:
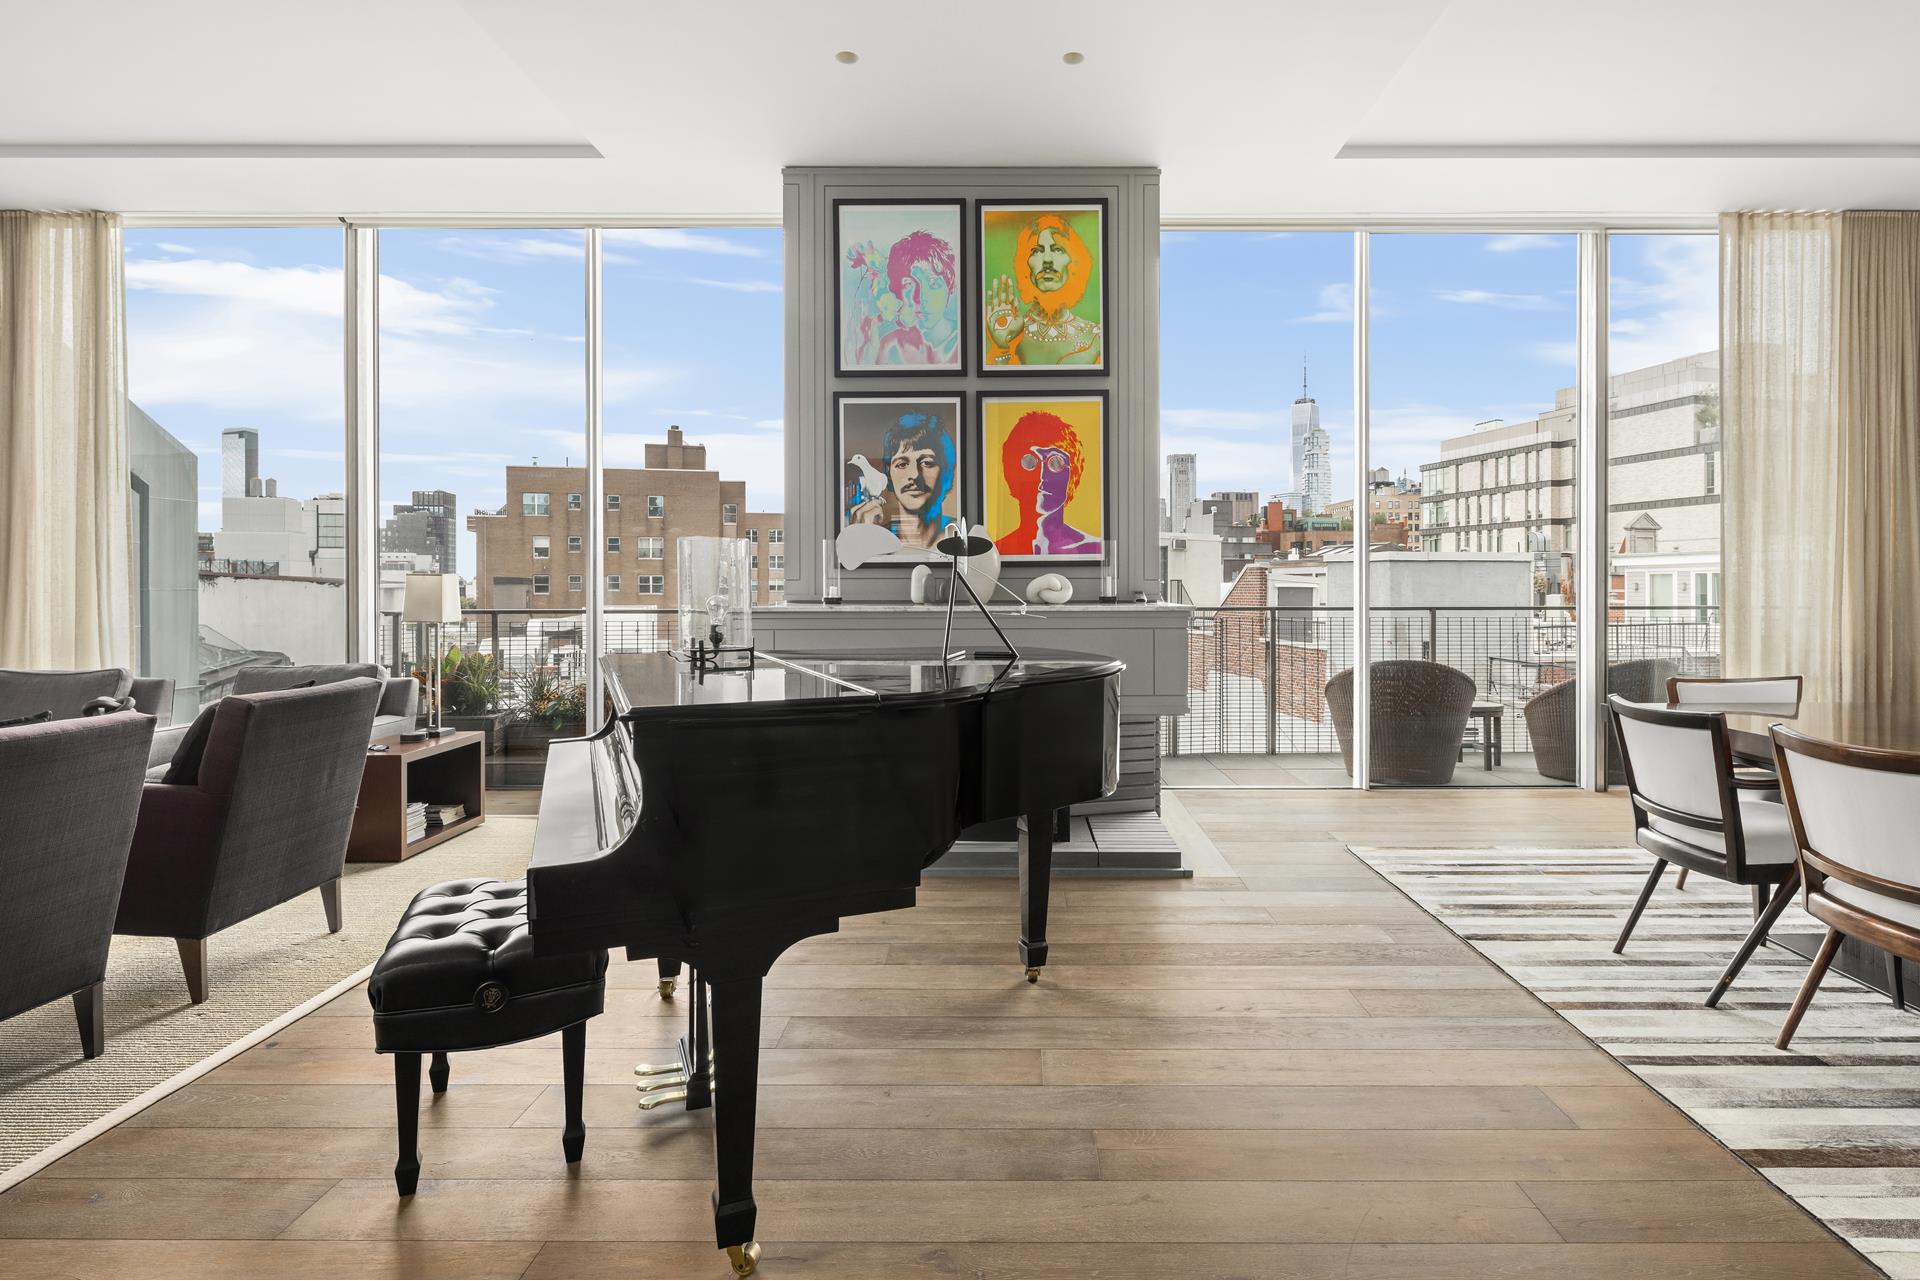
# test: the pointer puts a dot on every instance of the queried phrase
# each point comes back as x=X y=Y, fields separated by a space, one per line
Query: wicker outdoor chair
x=1550 y=716
x=1419 y=713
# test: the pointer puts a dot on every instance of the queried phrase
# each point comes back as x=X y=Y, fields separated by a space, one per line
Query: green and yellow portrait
x=1043 y=287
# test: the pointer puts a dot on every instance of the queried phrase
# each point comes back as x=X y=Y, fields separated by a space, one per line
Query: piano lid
x=639 y=682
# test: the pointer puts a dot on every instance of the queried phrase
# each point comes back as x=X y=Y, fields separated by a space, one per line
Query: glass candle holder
x=829 y=572
x=1109 y=571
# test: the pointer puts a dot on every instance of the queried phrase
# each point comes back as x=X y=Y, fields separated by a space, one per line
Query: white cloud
x=1518 y=244
x=1670 y=307
x=1505 y=302
x=680 y=240
x=738 y=286
x=515 y=248
x=1223 y=420
x=1335 y=306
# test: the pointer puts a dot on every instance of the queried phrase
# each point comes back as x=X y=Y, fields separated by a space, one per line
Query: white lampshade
x=432 y=598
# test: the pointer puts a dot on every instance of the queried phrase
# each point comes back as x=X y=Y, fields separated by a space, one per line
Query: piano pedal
x=648 y=1102
x=744 y=1258
x=666 y=989
x=660 y=1069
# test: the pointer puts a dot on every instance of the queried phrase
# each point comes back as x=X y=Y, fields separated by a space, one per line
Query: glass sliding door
x=236 y=449
x=1470 y=509
x=1663 y=462
x=482 y=473
x=694 y=442
x=1256 y=420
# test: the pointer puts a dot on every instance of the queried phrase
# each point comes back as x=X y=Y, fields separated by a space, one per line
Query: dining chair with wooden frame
x=1854 y=814
x=1690 y=810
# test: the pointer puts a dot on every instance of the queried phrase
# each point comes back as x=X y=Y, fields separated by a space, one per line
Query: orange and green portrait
x=1042 y=287
x=1043 y=468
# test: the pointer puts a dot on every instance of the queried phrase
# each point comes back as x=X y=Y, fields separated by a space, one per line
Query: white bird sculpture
x=873 y=481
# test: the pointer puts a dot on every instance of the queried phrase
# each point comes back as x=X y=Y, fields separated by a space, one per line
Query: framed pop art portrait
x=898 y=281
x=897 y=465
x=1043 y=286
x=1043 y=474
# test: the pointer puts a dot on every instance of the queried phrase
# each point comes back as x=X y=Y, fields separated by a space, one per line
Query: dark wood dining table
x=1749 y=728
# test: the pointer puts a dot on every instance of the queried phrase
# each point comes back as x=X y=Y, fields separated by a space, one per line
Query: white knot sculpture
x=1050 y=589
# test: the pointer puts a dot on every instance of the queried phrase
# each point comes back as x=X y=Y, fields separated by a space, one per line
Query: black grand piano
x=722 y=816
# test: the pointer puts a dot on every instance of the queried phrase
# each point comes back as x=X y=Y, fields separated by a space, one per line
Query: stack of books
x=439 y=816
x=416 y=821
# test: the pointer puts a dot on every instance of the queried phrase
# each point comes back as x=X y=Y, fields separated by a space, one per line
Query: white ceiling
x=674 y=108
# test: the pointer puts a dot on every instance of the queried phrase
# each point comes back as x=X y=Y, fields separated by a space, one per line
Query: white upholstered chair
x=1762 y=690
x=1690 y=810
x=1854 y=814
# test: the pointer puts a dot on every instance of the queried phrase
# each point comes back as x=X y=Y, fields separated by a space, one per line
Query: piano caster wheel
x=666 y=989
x=648 y=1102
x=1033 y=974
x=744 y=1258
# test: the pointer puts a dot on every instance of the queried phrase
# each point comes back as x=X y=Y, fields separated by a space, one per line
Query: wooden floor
x=1279 y=1068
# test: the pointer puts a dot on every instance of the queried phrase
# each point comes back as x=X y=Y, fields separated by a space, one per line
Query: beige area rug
x=257 y=971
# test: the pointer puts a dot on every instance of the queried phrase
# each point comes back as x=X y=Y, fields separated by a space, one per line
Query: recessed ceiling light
x=847 y=56
x=1074 y=58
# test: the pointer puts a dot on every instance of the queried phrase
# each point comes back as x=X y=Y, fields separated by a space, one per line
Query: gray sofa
x=71 y=795
x=399 y=700
x=66 y=694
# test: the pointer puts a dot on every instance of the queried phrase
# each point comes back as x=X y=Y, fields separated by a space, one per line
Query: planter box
x=532 y=737
x=493 y=725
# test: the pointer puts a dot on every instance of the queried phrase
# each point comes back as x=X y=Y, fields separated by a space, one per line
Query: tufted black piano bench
x=460 y=974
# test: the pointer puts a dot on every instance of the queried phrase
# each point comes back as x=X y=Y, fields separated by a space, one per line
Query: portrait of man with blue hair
x=910 y=487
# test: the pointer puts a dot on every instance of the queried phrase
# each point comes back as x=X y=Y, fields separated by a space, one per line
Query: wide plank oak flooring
x=1278 y=1068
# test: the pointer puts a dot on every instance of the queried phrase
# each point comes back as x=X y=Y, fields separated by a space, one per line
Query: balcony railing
x=1257 y=677
x=537 y=660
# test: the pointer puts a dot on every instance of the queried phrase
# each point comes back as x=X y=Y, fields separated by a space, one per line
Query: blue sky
x=482 y=346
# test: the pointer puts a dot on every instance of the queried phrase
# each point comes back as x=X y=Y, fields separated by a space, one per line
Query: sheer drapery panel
x=65 y=555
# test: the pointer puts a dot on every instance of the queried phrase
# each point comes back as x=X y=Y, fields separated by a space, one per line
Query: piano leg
x=736 y=1065
x=698 y=1049
x=1036 y=878
x=669 y=974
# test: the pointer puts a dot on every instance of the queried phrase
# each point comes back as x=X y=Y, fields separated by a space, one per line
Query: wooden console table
x=449 y=770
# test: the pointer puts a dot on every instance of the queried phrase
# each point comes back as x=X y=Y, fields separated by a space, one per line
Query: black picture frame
x=981 y=207
x=962 y=276
x=837 y=464
x=981 y=464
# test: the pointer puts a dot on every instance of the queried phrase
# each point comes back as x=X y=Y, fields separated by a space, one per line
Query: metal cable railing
x=1257 y=676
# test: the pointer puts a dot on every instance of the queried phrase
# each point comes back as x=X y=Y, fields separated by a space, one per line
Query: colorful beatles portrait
x=900 y=467
x=1043 y=470
x=899 y=287
x=1043 y=296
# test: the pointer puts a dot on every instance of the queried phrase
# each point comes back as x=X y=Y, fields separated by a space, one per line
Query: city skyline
x=482 y=358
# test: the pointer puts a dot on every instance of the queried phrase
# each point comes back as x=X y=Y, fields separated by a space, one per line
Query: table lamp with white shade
x=435 y=599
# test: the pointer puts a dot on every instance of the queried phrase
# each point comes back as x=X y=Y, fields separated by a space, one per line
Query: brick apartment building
x=532 y=552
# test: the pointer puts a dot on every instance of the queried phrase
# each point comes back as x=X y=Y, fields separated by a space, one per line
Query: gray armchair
x=71 y=794
x=266 y=818
x=1418 y=713
x=1551 y=714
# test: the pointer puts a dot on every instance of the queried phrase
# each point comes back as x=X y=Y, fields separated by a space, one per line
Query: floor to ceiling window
x=693 y=434
x=236 y=451
x=1663 y=461
x=483 y=473
x=1474 y=415
x=1256 y=393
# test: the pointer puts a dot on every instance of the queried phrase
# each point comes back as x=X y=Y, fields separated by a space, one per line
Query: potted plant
x=547 y=706
x=470 y=696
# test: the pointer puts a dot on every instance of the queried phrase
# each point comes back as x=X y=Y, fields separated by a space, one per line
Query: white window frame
x=656 y=506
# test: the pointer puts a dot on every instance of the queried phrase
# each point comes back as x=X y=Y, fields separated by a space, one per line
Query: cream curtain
x=65 y=552
x=1820 y=370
